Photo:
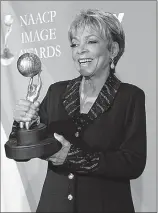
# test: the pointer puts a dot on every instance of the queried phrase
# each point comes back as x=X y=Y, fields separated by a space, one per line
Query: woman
x=99 y=121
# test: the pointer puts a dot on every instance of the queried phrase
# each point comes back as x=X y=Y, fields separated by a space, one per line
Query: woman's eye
x=73 y=45
x=92 y=42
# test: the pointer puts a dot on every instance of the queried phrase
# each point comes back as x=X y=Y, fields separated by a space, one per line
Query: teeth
x=85 y=60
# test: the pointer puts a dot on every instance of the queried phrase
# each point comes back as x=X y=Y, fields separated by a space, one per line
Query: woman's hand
x=59 y=157
x=26 y=111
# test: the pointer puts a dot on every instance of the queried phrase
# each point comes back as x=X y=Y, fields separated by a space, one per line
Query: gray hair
x=106 y=23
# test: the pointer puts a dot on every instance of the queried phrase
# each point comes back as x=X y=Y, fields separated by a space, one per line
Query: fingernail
x=56 y=135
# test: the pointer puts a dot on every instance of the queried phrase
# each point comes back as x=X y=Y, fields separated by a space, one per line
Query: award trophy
x=31 y=142
x=7 y=57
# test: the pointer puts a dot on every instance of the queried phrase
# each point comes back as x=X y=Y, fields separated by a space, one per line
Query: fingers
x=25 y=110
x=37 y=104
x=56 y=162
x=59 y=157
x=23 y=102
x=20 y=115
x=26 y=104
x=61 y=139
x=32 y=114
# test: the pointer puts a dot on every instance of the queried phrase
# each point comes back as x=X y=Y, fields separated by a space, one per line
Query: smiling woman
x=90 y=53
x=99 y=120
x=103 y=28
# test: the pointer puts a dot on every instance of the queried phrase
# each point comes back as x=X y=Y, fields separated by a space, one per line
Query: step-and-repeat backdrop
x=41 y=27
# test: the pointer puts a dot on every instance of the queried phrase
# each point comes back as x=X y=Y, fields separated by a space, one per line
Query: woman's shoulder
x=61 y=85
x=58 y=87
x=130 y=90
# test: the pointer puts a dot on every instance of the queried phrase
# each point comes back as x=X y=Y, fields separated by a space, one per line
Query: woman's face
x=90 y=52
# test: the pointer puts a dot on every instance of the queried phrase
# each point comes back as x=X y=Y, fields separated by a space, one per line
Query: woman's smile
x=85 y=61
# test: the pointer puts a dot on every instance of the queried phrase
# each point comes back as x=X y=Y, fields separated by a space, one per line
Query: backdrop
x=41 y=27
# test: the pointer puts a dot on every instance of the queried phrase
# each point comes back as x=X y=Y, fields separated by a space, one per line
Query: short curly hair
x=104 y=22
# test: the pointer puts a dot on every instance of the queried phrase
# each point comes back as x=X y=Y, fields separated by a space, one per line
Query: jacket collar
x=71 y=97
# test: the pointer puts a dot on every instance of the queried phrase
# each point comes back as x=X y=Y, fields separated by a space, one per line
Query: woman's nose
x=82 y=49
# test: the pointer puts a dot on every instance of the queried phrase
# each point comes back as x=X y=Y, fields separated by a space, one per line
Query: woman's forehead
x=87 y=31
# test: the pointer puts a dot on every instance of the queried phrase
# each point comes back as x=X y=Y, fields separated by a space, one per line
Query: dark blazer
x=116 y=129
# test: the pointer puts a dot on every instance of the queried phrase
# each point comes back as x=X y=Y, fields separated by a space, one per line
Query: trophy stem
x=7 y=35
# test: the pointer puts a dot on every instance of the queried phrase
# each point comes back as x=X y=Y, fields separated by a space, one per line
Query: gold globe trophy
x=31 y=142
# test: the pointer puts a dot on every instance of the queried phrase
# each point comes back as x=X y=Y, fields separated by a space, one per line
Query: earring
x=112 y=64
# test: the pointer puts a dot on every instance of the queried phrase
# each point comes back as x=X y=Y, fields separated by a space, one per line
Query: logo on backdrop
x=7 y=57
x=33 y=34
x=119 y=17
x=40 y=34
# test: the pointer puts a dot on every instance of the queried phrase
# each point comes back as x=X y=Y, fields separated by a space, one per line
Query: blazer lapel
x=71 y=97
x=71 y=100
x=106 y=97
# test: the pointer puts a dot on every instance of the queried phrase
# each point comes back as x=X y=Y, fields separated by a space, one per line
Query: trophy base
x=24 y=153
x=32 y=143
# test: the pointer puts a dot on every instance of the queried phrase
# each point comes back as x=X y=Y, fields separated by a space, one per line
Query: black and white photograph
x=78 y=106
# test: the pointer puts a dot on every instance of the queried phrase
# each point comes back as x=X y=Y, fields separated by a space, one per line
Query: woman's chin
x=85 y=72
